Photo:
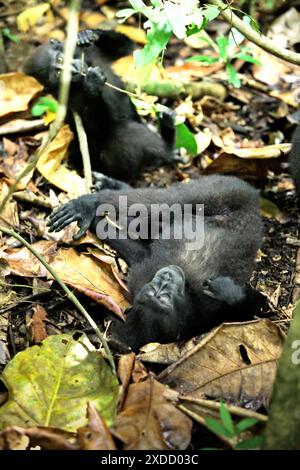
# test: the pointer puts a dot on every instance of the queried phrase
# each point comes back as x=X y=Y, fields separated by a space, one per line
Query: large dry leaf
x=16 y=91
x=149 y=421
x=83 y=272
x=236 y=362
x=86 y=274
x=50 y=164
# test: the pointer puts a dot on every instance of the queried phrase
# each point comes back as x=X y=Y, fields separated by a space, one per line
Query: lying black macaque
x=179 y=290
x=294 y=160
x=120 y=145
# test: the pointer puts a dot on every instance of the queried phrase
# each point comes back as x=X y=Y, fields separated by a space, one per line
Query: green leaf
x=124 y=14
x=217 y=427
x=43 y=105
x=226 y=419
x=51 y=384
x=157 y=39
x=245 y=424
x=222 y=43
x=246 y=58
x=12 y=37
x=186 y=139
x=252 y=443
x=249 y=21
x=211 y=12
x=203 y=58
x=232 y=76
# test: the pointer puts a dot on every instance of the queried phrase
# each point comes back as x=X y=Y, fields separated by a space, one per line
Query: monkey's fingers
x=83 y=228
x=62 y=223
x=61 y=211
x=86 y=38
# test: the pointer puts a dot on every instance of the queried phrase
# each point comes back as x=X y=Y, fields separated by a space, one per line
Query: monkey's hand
x=224 y=289
x=87 y=37
x=94 y=81
x=81 y=210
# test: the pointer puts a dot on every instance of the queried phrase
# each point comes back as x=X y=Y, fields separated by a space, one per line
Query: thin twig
x=84 y=149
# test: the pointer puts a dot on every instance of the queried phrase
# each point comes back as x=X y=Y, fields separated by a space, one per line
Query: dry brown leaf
x=92 y=19
x=190 y=70
x=16 y=91
x=38 y=329
x=95 y=435
x=125 y=367
x=235 y=362
x=244 y=167
x=150 y=422
x=271 y=69
x=9 y=215
x=22 y=262
x=268 y=151
x=15 y=162
x=16 y=438
x=50 y=165
x=88 y=276
x=135 y=34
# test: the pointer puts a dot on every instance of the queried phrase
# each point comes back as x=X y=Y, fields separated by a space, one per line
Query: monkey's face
x=167 y=285
x=47 y=62
x=157 y=311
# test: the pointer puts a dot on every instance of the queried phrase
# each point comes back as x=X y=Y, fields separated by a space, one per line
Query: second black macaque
x=121 y=146
x=294 y=160
x=179 y=289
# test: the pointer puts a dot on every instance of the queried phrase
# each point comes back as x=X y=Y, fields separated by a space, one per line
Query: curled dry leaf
x=16 y=91
x=86 y=274
x=22 y=262
x=236 y=362
x=95 y=435
x=38 y=329
x=50 y=164
x=150 y=422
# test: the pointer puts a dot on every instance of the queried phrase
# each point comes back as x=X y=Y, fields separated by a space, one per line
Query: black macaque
x=294 y=160
x=121 y=146
x=178 y=292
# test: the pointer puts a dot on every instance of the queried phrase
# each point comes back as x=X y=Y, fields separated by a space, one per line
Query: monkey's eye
x=164 y=299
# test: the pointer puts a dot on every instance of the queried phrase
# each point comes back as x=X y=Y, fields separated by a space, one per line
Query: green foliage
x=225 y=48
x=157 y=39
x=43 y=105
x=186 y=139
x=183 y=19
x=7 y=34
x=164 y=18
x=226 y=428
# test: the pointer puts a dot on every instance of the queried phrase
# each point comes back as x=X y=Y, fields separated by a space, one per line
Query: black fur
x=120 y=145
x=178 y=293
x=294 y=160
